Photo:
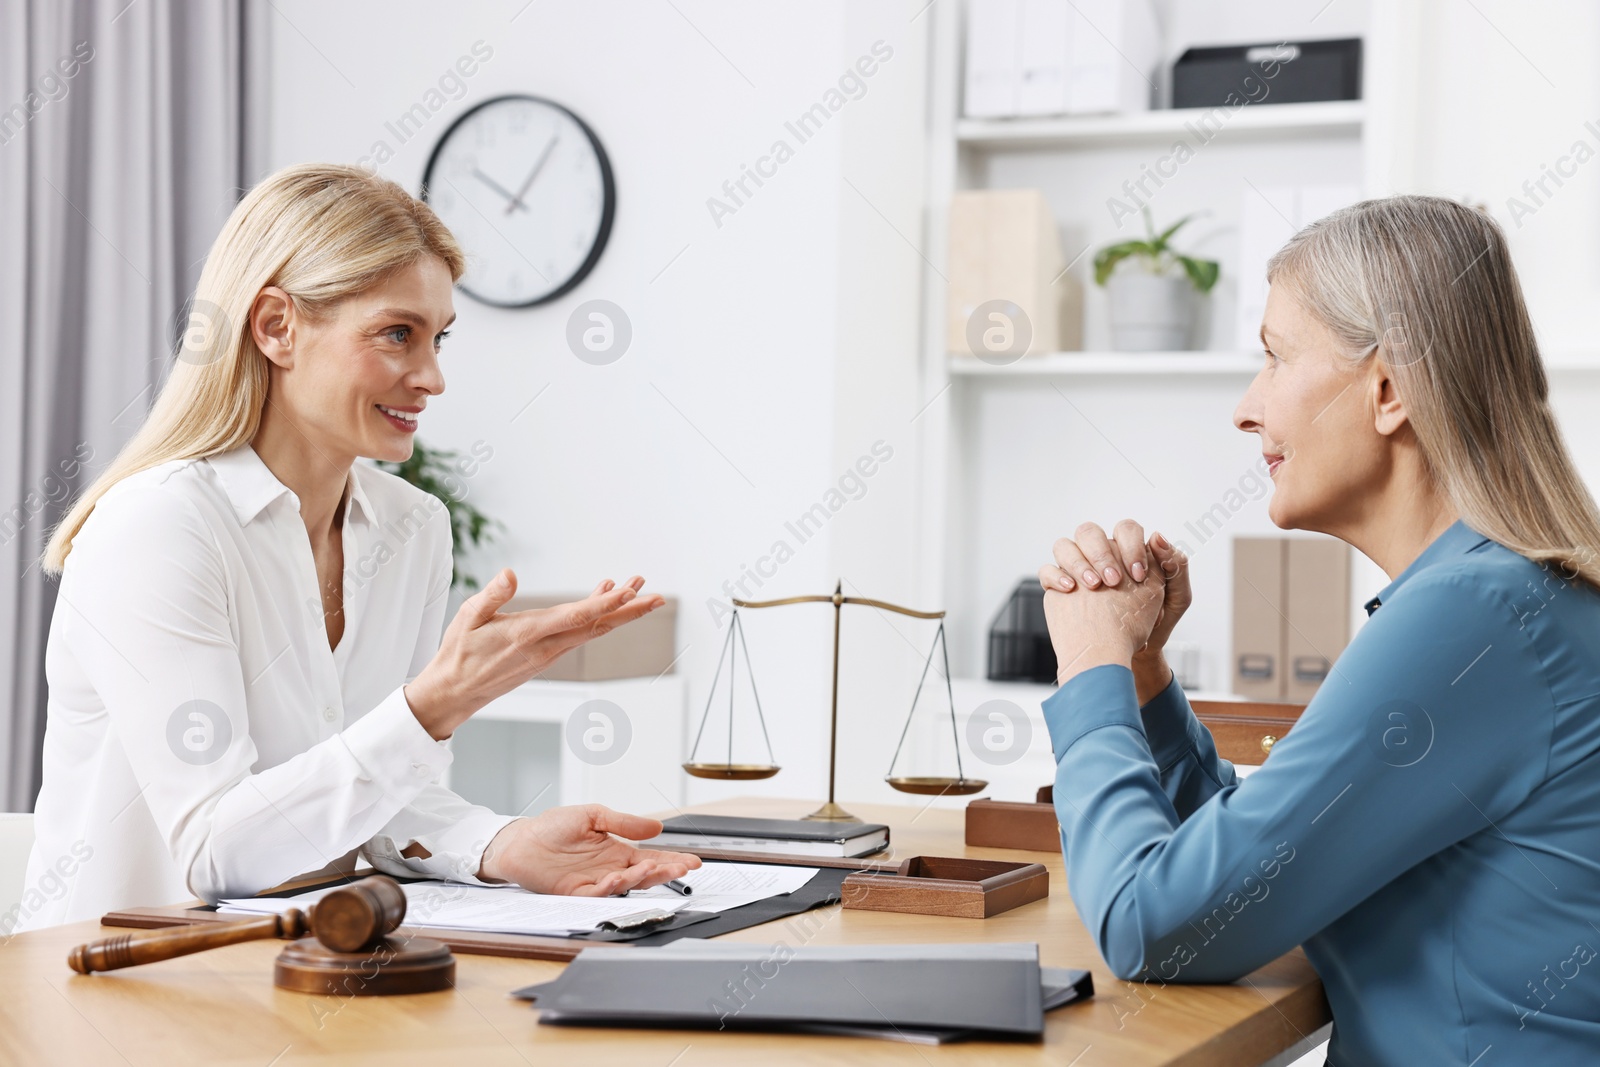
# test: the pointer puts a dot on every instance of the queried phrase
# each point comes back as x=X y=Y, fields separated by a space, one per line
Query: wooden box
x=948 y=885
x=1013 y=824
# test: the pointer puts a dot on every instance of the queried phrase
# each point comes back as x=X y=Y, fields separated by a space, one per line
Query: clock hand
x=491 y=183
x=516 y=201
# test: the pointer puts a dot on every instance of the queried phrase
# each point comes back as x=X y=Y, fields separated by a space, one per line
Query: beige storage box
x=642 y=649
x=1291 y=614
x=1005 y=256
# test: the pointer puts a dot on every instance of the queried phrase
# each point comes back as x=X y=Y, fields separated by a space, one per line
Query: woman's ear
x=272 y=325
x=1389 y=411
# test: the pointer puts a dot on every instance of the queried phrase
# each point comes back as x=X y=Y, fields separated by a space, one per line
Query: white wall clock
x=526 y=187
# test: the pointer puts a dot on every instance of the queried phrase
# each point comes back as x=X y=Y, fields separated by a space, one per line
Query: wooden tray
x=948 y=885
x=1014 y=824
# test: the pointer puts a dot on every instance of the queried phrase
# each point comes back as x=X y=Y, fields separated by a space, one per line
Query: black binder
x=927 y=993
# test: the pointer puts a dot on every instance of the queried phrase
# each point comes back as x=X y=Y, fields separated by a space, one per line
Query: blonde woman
x=226 y=709
x=1430 y=830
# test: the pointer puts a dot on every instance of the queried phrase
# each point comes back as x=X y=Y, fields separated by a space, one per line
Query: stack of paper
x=1050 y=57
x=485 y=909
x=721 y=886
x=513 y=910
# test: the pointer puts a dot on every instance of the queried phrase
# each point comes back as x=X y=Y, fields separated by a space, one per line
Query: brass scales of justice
x=928 y=785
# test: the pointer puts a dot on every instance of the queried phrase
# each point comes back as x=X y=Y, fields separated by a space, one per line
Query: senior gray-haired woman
x=1430 y=829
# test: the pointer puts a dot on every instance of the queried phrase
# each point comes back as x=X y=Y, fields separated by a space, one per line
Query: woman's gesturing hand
x=486 y=653
x=1124 y=563
x=571 y=851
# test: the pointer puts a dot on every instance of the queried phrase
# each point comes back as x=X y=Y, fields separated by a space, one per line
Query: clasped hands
x=1114 y=599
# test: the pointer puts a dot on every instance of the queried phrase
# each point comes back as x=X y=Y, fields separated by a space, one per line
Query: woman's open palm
x=571 y=851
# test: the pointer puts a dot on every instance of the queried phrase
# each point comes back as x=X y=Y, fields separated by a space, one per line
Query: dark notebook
x=796 y=837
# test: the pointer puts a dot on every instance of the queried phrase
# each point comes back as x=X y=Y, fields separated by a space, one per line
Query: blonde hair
x=320 y=232
x=1426 y=285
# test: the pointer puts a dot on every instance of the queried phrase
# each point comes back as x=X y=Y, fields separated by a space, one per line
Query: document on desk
x=485 y=909
x=721 y=886
x=512 y=910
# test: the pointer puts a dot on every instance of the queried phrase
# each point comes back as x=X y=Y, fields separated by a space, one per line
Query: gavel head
x=356 y=917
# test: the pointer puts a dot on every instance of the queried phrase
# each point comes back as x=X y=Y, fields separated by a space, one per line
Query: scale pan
x=741 y=772
x=934 y=786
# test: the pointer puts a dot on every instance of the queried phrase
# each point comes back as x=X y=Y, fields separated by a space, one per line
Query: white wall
x=768 y=355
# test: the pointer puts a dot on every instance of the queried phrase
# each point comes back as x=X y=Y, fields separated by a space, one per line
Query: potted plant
x=1153 y=297
x=433 y=471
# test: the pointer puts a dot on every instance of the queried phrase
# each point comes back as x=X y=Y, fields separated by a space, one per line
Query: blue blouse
x=1429 y=831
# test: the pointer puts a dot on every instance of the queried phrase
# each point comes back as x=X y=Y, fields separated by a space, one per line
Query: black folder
x=929 y=993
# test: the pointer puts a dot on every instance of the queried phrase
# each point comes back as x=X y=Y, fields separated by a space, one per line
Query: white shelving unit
x=1071 y=364
x=1141 y=364
x=1016 y=455
x=1159 y=127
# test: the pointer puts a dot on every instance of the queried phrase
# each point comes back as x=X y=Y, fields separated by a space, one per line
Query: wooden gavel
x=349 y=950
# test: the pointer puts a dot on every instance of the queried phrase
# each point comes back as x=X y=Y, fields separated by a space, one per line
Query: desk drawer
x=1246 y=732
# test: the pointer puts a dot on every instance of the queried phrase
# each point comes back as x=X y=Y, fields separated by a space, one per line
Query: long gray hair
x=1426 y=285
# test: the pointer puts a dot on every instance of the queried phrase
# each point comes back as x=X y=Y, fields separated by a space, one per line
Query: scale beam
x=960 y=785
x=839 y=599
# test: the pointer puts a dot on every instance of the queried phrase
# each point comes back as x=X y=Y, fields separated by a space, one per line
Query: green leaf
x=1106 y=260
x=1202 y=272
x=1157 y=249
x=1166 y=234
x=432 y=471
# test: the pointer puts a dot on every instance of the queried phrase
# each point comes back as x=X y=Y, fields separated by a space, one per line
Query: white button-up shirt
x=202 y=738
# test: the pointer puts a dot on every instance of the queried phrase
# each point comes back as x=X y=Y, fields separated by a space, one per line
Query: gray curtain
x=121 y=154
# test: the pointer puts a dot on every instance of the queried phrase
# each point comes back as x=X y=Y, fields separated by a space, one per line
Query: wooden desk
x=220 y=1007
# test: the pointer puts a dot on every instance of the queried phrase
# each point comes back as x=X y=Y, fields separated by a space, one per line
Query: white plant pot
x=1151 y=312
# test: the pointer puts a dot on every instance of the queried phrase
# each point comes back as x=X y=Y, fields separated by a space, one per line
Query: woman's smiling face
x=1309 y=405
x=374 y=351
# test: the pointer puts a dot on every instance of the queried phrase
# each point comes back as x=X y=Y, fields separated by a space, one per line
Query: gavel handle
x=130 y=950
